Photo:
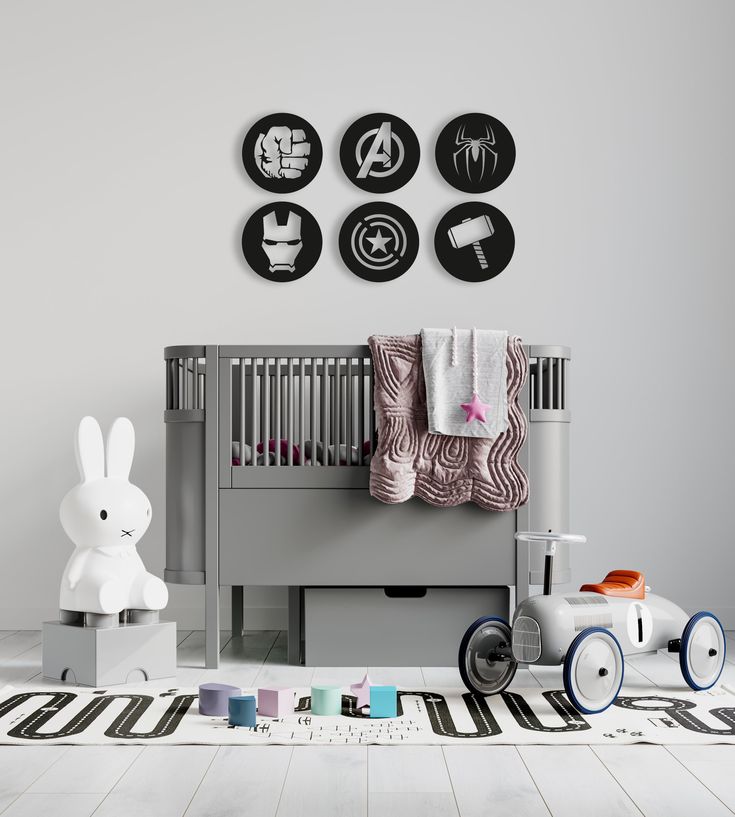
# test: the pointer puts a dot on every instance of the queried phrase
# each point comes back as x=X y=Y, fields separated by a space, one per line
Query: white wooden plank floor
x=379 y=781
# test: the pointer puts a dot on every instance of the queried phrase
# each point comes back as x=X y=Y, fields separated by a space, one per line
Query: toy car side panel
x=640 y=625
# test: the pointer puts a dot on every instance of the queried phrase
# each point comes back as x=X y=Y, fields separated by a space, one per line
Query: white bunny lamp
x=105 y=516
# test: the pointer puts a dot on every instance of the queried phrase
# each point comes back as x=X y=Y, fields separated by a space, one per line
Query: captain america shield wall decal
x=475 y=153
x=281 y=241
x=379 y=153
x=378 y=242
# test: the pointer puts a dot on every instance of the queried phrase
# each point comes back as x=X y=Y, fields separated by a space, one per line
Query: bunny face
x=105 y=510
x=105 y=513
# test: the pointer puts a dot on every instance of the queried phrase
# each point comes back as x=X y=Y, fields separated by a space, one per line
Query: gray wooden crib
x=267 y=468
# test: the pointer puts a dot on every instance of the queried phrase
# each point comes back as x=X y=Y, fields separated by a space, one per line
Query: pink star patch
x=475 y=409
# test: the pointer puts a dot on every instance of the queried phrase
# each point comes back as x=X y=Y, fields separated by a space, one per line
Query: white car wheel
x=593 y=670
x=702 y=651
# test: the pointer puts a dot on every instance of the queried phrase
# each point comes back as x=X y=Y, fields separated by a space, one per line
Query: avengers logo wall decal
x=378 y=242
x=379 y=153
x=474 y=241
x=281 y=241
x=282 y=153
x=475 y=153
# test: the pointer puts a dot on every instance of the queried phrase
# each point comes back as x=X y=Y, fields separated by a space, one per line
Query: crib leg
x=211 y=626
x=295 y=603
x=237 y=612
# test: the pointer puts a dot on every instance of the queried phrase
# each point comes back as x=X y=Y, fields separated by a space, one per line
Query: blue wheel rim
x=567 y=671
x=684 y=649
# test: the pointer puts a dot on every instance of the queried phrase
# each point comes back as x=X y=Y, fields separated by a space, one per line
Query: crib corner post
x=211 y=508
x=523 y=566
x=523 y=513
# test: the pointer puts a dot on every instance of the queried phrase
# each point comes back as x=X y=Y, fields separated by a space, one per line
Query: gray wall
x=122 y=200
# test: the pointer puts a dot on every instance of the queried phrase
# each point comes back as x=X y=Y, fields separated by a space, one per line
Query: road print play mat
x=72 y=715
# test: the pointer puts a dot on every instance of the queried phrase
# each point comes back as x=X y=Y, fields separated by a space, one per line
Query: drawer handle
x=405 y=592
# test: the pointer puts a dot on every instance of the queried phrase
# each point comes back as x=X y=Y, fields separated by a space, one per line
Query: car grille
x=526 y=640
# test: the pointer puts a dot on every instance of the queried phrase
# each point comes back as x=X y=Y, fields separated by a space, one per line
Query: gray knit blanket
x=440 y=469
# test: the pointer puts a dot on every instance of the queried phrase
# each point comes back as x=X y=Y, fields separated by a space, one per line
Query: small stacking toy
x=213 y=698
x=362 y=692
x=275 y=703
x=383 y=702
x=242 y=710
x=326 y=700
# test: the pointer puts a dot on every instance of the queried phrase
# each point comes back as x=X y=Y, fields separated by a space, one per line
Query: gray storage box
x=375 y=626
x=102 y=656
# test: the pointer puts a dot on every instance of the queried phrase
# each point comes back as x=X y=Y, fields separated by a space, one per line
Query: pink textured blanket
x=442 y=470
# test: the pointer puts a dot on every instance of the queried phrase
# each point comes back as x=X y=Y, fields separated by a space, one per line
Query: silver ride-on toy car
x=589 y=632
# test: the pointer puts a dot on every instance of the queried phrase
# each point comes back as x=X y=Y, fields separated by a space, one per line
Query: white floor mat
x=80 y=716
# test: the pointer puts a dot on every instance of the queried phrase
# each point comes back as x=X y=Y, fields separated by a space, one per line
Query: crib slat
x=325 y=412
x=253 y=409
x=371 y=412
x=185 y=384
x=289 y=410
x=539 y=382
x=360 y=408
x=302 y=373
x=169 y=385
x=277 y=405
x=265 y=388
x=337 y=413
x=348 y=412
x=243 y=398
x=195 y=374
x=312 y=415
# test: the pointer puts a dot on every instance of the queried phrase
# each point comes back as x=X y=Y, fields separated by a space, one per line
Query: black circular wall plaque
x=281 y=241
x=474 y=241
x=282 y=153
x=475 y=153
x=379 y=153
x=378 y=241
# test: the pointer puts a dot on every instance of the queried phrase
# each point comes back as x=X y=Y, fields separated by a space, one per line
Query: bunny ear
x=120 y=448
x=90 y=450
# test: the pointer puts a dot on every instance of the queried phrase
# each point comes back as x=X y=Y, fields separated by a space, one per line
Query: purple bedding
x=442 y=470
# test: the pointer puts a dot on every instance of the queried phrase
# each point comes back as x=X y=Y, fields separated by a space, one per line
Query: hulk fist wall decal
x=282 y=153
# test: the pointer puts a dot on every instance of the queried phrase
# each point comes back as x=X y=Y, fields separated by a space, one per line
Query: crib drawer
x=388 y=627
x=344 y=537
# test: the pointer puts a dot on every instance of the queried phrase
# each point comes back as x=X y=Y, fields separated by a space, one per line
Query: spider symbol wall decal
x=475 y=150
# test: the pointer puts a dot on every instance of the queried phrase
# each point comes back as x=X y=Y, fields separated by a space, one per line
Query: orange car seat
x=628 y=584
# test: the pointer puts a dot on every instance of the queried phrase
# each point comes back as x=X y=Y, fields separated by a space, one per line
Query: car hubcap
x=703 y=651
x=483 y=664
x=595 y=670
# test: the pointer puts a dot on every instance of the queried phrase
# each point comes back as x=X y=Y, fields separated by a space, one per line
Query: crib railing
x=303 y=399
x=548 y=378
x=298 y=407
x=302 y=410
